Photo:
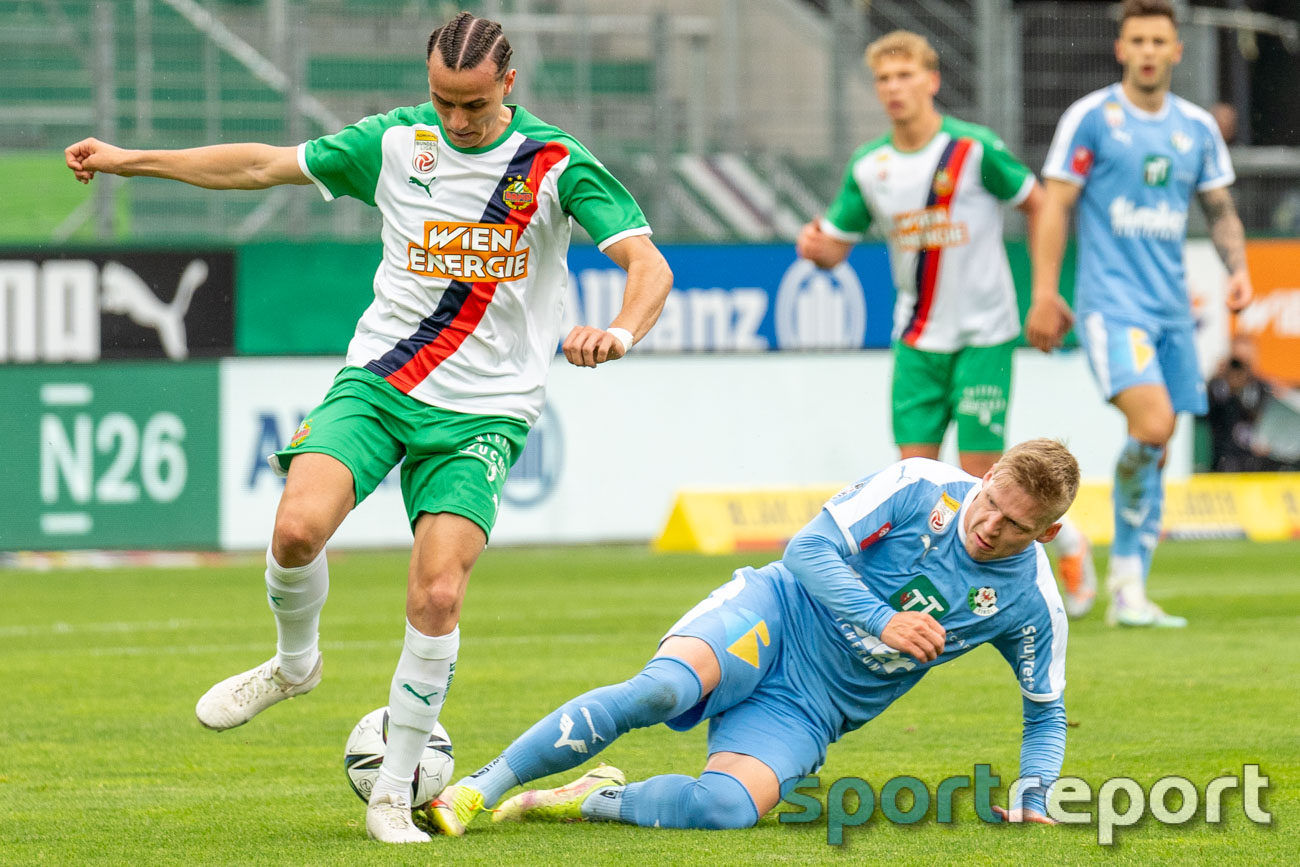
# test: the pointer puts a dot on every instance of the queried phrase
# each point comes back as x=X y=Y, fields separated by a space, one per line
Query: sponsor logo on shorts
x=1140 y=344
x=493 y=450
x=982 y=402
x=746 y=646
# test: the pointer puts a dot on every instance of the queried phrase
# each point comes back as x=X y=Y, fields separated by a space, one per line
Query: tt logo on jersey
x=920 y=595
x=942 y=514
x=425 y=158
x=1155 y=170
x=468 y=251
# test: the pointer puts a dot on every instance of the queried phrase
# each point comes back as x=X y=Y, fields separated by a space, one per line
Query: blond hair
x=1045 y=470
x=906 y=44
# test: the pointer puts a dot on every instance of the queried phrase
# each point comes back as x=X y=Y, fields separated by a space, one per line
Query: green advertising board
x=120 y=455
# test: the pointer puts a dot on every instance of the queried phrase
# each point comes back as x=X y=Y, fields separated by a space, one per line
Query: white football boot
x=238 y=699
x=388 y=820
x=1129 y=606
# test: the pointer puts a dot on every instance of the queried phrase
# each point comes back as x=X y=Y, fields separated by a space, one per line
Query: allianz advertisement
x=750 y=298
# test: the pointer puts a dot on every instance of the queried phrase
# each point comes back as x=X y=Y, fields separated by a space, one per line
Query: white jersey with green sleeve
x=939 y=208
x=470 y=291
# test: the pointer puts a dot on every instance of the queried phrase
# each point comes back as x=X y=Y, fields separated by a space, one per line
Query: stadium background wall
x=154 y=454
x=159 y=454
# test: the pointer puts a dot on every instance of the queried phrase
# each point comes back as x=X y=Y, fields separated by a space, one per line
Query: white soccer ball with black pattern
x=365 y=753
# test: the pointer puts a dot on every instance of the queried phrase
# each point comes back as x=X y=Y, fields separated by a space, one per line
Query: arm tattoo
x=1225 y=228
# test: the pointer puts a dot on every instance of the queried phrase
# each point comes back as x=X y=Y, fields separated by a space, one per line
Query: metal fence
x=728 y=119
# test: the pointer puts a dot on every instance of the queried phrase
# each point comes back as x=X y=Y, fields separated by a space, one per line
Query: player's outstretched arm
x=246 y=166
x=649 y=280
x=1049 y=318
x=1229 y=236
x=815 y=557
x=820 y=248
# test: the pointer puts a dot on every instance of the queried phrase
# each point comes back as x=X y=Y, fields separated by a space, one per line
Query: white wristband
x=624 y=337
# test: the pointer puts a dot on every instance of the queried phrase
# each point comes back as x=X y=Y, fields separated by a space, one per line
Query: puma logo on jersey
x=414 y=180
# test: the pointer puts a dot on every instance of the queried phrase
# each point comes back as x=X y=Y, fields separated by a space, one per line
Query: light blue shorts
x=1123 y=354
x=756 y=709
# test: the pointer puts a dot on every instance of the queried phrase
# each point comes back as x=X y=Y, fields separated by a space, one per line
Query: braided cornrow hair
x=465 y=41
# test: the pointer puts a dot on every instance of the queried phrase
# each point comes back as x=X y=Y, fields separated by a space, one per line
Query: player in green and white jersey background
x=447 y=368
x=935 y=187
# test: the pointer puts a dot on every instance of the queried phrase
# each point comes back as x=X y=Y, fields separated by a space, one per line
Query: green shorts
x=970 y=386
x=453 y=461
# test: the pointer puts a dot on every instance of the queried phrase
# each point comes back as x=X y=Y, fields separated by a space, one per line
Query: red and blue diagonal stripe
x=927 y=258
x=463 y=304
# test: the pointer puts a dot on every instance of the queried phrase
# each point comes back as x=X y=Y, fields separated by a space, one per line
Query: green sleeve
x=595 y=198
x=848 y=212
x=347 y=163
x=1002 y=174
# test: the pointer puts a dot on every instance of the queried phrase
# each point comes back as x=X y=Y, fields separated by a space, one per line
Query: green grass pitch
x=102 y=761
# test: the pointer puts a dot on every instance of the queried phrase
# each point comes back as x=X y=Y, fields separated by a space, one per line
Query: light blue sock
x=715 y=801
x=1139 y=500
x=1149 y=535
x=582 y=727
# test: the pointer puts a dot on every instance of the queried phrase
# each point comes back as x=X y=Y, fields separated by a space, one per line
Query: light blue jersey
x=902 y=534
x=1138 y=171
x=798 y=640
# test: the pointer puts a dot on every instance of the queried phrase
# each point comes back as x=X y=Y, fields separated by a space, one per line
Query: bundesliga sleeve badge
x=425 y=157
x=942 y=514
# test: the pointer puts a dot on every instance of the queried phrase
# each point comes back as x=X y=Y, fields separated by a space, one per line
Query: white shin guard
x=420 y=684
x=296 y=596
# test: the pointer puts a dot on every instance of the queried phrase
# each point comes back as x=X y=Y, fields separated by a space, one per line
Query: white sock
x=424 y=673
x=1069 y=541
x=1125 y=578
x=296 y=596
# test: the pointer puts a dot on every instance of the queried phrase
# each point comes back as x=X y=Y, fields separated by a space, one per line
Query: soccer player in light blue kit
x=1130 y=156
x=909 y=568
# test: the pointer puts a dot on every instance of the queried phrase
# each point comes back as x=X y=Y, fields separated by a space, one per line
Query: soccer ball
x=365 y=752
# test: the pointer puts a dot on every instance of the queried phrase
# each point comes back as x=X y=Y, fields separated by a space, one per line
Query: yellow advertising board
x=1260 y=506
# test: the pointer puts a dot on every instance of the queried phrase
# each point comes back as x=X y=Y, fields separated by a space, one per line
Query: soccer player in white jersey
x=909 y=568
x=447 y=368
x=935 y=186
x=1131 y=156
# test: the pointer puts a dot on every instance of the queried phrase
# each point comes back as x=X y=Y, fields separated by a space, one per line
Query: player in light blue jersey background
x=1130 y=156
x=907 y=569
